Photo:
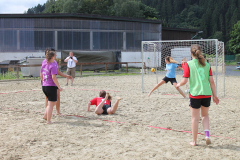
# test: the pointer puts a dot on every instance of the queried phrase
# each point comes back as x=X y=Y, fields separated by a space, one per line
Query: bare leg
x=72 y=80
x=46 y=104
x=99 y=109
x=179 y=90
x=49 y=111
x=195 y=120
x=58 y=102
x=46 y=101
x=113 y=109
x=205 y=121
x=67 y=80
x=158 y=85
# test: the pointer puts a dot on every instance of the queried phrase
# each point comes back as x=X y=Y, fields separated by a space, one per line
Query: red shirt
x=183 y=64
x=186 y=74
x=96 y=101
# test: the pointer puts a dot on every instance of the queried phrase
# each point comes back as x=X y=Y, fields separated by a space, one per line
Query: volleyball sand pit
x=142 y=128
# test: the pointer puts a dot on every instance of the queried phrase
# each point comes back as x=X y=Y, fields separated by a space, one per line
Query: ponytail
x=170 y=59
x=195 y=50
x=49 y=55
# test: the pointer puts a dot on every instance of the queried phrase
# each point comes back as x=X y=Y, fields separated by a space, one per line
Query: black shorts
x=197 y=103
x=105 y=108
x=50 y=92
x=172 y=80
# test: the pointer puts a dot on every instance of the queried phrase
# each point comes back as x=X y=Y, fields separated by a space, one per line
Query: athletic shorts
x=71 y=72
x=197 y=103
x=105 y=108
x=172 y=80
x=50 y=92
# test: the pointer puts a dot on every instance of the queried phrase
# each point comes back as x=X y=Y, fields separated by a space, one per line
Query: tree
x=50 y=6
x=234 y=43
x=36 y=10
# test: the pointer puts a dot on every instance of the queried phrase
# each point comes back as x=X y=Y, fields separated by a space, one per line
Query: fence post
x=17 y=72
x=144 y=67
x=127 y=67
x=106 y=68
x=81 y=69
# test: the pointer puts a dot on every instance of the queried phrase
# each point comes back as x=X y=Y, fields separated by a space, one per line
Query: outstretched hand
x=149 y=94
x=178 y=85
x=69 y=77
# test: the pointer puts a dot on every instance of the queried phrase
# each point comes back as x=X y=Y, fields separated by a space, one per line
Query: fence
x=13 y=71
x=230 y=58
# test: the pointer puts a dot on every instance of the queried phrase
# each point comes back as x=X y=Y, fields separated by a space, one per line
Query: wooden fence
x=64 y=64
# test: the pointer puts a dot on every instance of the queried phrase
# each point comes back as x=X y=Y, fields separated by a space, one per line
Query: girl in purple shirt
x=50 y=83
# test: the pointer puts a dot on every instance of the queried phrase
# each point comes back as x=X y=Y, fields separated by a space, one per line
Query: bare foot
x=193 y=143
x=119 y=98
x=49 y=122
x=44 y=118
x=208 y=141
x=59 y=114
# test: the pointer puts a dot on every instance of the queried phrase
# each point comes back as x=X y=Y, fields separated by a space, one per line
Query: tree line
x=216 y=18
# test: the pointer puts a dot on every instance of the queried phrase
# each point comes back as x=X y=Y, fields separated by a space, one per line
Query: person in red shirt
x=184 y=61
x=103 y=103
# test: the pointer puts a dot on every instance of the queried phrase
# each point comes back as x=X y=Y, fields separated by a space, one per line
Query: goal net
x=154 y=53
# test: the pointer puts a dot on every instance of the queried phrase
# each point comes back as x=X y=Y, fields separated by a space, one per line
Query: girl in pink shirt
x=50 y=83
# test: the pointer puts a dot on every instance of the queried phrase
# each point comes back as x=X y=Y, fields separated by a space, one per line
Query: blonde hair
x=170 y=59
x=196 y=52
x=49 y=55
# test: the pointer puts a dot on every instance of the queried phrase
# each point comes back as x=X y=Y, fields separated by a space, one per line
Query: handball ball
x=152 y=70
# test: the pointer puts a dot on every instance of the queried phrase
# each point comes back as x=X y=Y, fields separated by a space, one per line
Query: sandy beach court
x=142 y=128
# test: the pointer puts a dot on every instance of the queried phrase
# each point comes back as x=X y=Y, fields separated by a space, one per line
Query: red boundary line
x=168 y=129
x=94 y=90
x=66 y=89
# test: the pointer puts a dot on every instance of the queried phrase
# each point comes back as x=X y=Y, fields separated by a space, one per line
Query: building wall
x=36 y=34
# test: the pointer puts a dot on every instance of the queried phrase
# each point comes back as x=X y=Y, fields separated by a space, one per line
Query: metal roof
x=79 y=16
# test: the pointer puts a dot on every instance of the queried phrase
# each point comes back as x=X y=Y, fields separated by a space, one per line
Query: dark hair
x=103 y=94
x=196 y=51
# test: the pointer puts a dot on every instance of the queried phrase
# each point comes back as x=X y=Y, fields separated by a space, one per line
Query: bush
x=238 y=57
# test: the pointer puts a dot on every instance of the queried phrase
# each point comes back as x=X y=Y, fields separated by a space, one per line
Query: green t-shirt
x=199 y=78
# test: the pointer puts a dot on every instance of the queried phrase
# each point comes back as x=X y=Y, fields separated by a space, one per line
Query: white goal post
x=154 y=53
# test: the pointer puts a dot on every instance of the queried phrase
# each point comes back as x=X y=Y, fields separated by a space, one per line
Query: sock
x=206 y=133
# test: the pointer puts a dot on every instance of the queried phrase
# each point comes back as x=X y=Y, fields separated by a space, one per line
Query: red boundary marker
x=168 y=129
x=65 y=89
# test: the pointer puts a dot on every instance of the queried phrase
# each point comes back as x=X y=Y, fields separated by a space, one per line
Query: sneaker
x=66 y=84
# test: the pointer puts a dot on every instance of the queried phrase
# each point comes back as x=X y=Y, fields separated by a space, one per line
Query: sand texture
x=142 y=128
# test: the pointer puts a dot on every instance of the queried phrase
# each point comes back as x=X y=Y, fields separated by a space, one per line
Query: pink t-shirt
x=47 y=71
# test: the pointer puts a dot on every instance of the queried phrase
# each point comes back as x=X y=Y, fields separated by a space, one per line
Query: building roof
x=180 y=29
x=79 y=16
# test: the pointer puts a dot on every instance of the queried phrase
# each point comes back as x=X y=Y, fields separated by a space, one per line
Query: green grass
x=231 y=63
x=13 y=76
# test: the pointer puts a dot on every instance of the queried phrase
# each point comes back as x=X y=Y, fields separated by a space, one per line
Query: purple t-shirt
x=47 y=72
